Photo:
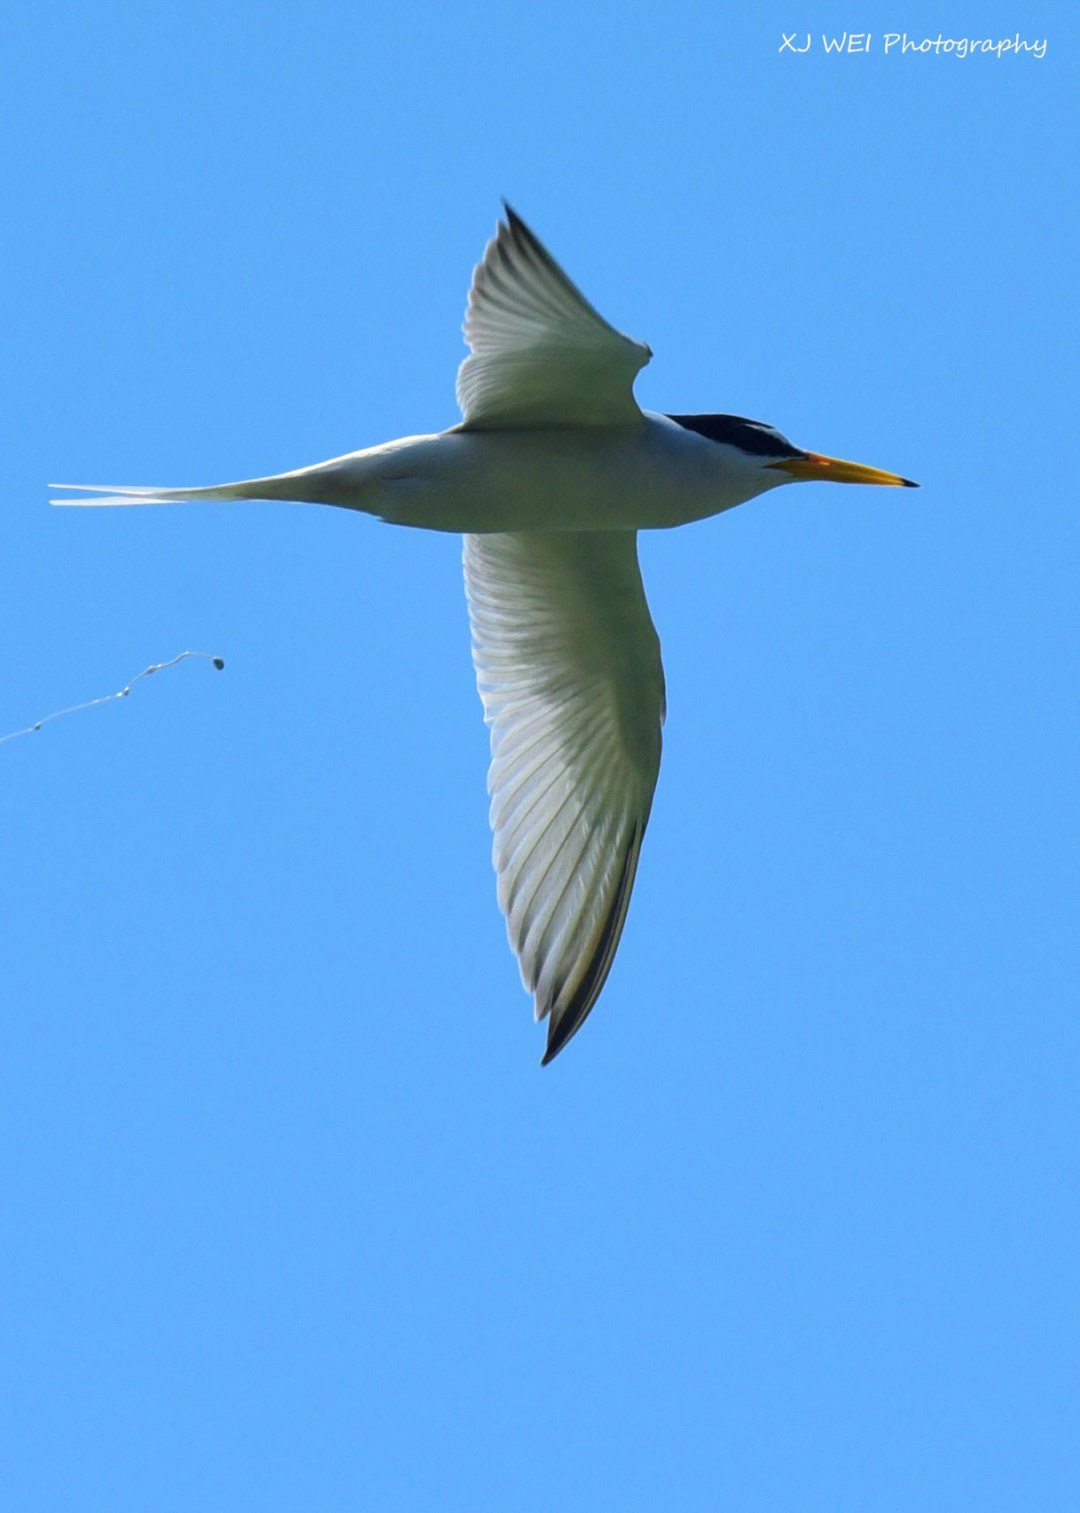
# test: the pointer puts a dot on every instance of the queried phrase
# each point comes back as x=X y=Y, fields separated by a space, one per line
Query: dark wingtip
x=574 y=1014
x=558 y=1034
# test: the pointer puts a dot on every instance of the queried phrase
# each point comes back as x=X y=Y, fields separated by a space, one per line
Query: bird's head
x=771 y=459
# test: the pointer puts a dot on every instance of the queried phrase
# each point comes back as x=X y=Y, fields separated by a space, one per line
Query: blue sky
x=292 y=1216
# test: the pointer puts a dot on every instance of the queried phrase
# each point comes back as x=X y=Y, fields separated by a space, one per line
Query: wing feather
x=541 y=355
x=568 y=667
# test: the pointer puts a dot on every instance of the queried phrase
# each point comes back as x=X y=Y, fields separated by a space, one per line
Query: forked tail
x=110 y=493
x=344 y=481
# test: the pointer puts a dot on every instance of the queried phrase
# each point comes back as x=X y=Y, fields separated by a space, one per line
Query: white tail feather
x=107 y=493
x=373 y=480
x=325 y=483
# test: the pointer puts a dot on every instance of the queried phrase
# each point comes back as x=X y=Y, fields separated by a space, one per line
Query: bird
x=549 y=476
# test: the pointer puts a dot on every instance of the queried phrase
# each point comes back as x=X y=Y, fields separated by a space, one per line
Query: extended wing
x=568 y=667
x=541 y=355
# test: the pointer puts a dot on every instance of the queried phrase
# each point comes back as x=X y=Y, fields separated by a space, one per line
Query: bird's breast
x=639 y=477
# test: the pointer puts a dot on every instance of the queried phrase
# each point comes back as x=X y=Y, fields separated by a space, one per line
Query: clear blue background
x=292 y=1217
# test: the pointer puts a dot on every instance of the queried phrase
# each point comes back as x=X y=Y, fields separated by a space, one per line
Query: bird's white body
x=550 y=476
x=646 y=475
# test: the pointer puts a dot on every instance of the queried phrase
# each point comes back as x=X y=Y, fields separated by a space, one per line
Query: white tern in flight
x=550 y=475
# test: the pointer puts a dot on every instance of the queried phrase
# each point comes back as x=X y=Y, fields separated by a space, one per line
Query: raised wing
x=541 y=355
x=568 y=667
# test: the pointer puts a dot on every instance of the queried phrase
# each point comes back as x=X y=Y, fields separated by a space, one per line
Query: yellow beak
x=812 y=465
